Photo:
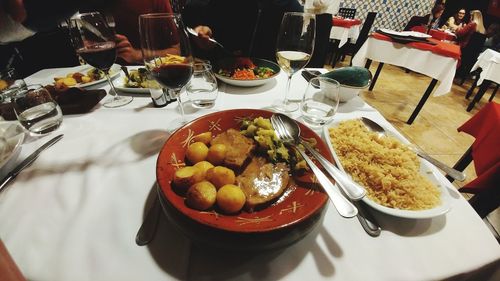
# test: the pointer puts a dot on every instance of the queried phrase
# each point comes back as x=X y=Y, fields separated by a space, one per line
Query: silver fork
x=344 y=207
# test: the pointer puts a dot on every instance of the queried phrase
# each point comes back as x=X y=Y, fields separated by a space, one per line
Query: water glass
x=9 y=84
x=36 y=110
x=202 y=90
x=320 y=101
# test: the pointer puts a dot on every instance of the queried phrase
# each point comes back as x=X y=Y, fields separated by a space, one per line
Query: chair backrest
x=347 y=13
x=363 y=34
x=323 y=27
x=470 y=53
x=415 y=21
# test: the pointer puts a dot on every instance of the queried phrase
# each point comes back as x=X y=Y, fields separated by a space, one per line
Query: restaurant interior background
x=394 y=14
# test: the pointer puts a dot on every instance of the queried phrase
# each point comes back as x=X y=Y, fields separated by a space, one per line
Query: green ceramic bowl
x=352 y=80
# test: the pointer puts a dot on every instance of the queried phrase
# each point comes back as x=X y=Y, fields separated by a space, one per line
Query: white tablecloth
x=436 y=66
x=343 y=34
x=489 y=62
x=74 y=213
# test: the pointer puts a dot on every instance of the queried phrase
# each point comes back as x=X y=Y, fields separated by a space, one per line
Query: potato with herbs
x=216 y=154
x=201 y=195
x=187 y=176
x=197 y=152
x=230 y=198
x=204 y=166
x=205 y=137
x=220 y=176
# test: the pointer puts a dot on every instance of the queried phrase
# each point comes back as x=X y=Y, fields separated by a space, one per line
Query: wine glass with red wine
x=167 y=52
x=93 y=39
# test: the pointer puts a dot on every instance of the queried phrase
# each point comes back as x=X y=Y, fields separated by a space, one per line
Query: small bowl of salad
x=245 y=72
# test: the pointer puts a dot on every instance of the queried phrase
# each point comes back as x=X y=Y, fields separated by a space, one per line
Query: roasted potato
x=187 y=176
x=220 y=176
x=216 y=154
x=201 y=195
x=230 y=198
x=204 y=166
x=205 y=137
x=197 y=152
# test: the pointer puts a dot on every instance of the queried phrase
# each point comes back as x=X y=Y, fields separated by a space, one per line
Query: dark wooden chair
x=321 y=41
x=415 y=21
x=350 y=48
x=348 y=13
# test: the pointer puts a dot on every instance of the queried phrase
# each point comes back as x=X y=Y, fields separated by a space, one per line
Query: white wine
x=292 y=61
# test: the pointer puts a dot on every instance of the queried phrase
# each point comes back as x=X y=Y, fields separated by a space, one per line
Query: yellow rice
x=387 y=168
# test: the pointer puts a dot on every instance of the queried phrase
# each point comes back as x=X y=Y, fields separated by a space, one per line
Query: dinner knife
x=28 y=161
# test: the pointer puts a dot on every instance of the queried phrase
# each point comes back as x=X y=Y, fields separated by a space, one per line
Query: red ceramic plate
x=301 y=201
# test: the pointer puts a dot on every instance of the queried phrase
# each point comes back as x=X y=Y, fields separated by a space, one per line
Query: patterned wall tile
x=392 y=14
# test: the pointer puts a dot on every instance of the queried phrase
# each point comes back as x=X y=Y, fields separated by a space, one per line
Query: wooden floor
x=396 y=95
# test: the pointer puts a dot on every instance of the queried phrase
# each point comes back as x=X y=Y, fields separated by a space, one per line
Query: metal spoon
x=375 y=127
x=353 y=190
x=342 y=204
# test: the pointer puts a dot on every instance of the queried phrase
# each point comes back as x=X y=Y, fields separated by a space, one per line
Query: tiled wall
x=393 y=14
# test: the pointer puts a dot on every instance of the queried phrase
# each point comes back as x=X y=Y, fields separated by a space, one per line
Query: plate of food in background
x=83 y=76
x=136 y=81
x=245 y=72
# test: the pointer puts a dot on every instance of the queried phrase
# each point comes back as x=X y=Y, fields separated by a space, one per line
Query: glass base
x=117 y=101
x=285 y=106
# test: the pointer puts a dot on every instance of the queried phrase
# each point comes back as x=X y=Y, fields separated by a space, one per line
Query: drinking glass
x=167 y=52
x=36 y=110
x=202 y=89
x=294 y=48
x=320 y=101
x=93 y=39
x=9 y=84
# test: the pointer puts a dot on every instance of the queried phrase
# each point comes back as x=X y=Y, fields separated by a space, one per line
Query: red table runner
x=436 y=34
x=441 y=48
x=485 y=127
x=345 y=22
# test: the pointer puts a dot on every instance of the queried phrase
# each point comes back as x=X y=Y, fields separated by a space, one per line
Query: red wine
x=173 y=76
x=99 y=55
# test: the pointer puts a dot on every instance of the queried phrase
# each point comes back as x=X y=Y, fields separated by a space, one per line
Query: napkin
x=10 y=135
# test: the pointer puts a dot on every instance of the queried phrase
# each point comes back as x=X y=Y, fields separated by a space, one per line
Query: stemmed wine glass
x=294 y=48
x=167 y=52
x=93 y=39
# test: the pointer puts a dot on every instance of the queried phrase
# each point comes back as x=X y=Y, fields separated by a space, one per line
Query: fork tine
x=286 y=132
x=278 y=126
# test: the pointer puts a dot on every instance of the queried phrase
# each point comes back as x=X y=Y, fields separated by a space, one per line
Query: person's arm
x=125 y=51
x=469 y=28
x=14 y=8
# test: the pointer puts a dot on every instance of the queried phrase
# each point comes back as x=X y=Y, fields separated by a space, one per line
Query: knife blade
x=28 y=161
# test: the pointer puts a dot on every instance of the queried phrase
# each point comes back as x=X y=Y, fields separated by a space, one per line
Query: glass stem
x=181 y=108
x=288 y=82
x=112 y=90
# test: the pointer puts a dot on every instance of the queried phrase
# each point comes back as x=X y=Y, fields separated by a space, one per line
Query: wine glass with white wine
x=294 y=48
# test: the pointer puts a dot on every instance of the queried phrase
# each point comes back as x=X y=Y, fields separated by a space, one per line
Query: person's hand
x=202 y=40
x=126 y=51
x=14 y=8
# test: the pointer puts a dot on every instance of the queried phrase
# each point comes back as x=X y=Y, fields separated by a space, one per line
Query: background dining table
x=73 y=214
x=345 y=30
x=436 y=59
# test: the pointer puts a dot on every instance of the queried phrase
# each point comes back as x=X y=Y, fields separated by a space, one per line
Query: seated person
x=492 y=37
x=250 y=30
x=429 y=21
x=475 y=25
x=126 y=16
x=455 y=22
